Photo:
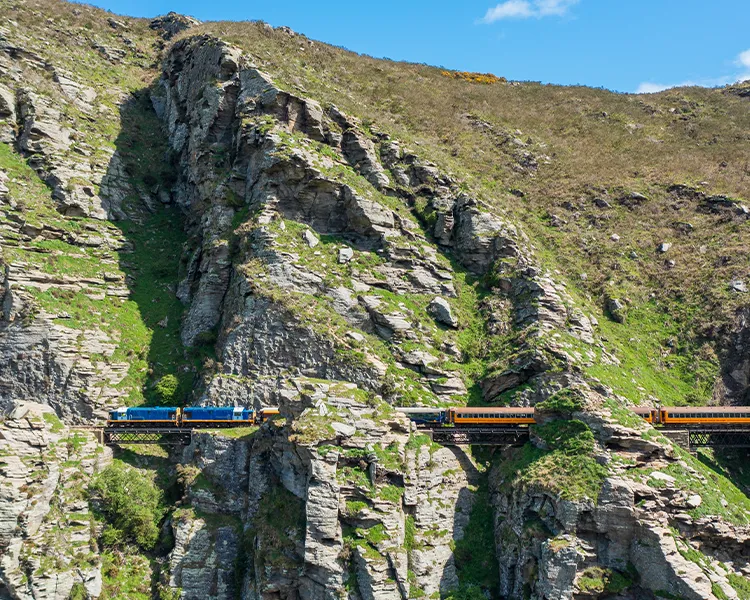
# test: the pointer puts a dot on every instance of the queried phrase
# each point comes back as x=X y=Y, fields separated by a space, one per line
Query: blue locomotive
x=157 y=416
x=189 y=416
x=216 y=416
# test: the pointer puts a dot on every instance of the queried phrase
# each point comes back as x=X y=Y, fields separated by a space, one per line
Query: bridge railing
x=162 y=436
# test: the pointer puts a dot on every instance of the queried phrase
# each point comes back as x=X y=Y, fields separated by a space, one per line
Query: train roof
x=491 y=410
x=707 y=409
x=420 y=410
x=212 y=406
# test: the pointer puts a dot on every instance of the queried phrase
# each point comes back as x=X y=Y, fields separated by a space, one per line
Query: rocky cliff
x=48 y=535
x=190 y=216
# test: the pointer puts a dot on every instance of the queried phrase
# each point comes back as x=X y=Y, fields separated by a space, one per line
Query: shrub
x=112 y=537
x=467 y=592
x=131 y=504
x=564 y=401
x=78 y=591
x=168 y=593
x=573 y=438
x=166 y=388
x=566 y=466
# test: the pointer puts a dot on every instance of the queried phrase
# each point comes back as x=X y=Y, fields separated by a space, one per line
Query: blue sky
x=624 y=45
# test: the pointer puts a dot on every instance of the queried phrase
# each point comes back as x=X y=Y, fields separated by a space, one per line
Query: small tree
x=166 y=388
x=131 y=503
x=467 y=592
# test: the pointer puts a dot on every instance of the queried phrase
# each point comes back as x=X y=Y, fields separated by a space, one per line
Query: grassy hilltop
x=598 y=179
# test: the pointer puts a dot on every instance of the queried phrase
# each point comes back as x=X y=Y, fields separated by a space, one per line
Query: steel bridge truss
x=719 y=438
x=447 y=436
x=479 y=436
x=164 y=436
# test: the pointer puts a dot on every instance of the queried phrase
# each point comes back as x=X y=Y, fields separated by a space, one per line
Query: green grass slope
x=566 y=162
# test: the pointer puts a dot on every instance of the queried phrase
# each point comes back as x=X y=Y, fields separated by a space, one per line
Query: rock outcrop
x=47 y=532
x=277 y=151
x=360 y=499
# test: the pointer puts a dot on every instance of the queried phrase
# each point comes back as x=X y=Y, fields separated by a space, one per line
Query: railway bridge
x=688 y=437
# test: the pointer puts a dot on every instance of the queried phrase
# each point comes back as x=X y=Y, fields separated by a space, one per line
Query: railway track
x=693 y=437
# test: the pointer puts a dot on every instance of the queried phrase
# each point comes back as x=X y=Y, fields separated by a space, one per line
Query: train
x=671 y=416
x=234 y=416
x=468 y=417
x=189 y=416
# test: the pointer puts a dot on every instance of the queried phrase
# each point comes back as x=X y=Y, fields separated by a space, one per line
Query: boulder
x=310 y=238
x=7 y=104
x=3 y=187
x=441 y=311
x=664 y=247
x=659 y=476
x=7 y=115
x=616 y=309
x=343 y=429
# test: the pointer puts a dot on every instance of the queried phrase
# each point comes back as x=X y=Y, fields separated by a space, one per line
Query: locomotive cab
x=119 y=414
x=428 y=417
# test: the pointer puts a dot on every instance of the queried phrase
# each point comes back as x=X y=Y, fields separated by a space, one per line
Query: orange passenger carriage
x=477 y=417
x=647 y=413
x=684 y=416
x=264 y=414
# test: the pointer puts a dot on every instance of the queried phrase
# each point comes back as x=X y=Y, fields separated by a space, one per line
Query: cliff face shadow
x=474 y=561
x=141 y=175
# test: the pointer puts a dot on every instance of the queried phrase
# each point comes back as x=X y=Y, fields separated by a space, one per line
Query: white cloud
x=509 y=9
x=524 y=9
x=651 y=88
x=554 y=7
x=743 y=60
